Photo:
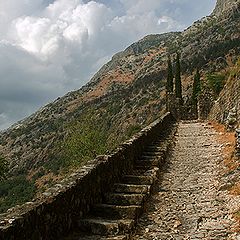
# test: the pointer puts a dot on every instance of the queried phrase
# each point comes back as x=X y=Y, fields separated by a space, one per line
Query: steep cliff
x=229 y=98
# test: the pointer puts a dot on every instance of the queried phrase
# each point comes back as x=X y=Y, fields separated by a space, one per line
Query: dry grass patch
x=231 y=162
x=229 y=141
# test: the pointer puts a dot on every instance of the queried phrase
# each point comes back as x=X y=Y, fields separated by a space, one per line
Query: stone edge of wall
x=53 y=214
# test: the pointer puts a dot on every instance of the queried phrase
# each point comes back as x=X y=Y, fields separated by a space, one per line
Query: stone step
x=106 y=227
x=159 y=148
x=138 y=180
x=148 y=171
x=148 y=163
x=116 y=212
x=153 y=172
x=141 y=168
x=130 y=188
x=124 y=199
x=153 y=148
x=139 y=172
x=94 y=237
x=154 y=153
x=82 y=236
x=146 y=157
x=160 y=155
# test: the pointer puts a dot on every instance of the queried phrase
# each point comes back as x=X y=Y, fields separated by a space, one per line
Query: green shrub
x=86 y=138
x=216 y=82
x=132 y=129
x=14 y=191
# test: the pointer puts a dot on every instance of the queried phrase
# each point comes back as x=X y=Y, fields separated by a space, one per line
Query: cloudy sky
x=50 y=47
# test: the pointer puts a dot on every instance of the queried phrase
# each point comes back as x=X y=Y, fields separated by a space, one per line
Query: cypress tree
x=196 y=87
x=178 y=83
x=169 y=76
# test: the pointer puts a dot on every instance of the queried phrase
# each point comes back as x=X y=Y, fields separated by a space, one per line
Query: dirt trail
x=189 y=204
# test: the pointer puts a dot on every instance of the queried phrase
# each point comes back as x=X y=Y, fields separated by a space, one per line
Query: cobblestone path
x=188 y=204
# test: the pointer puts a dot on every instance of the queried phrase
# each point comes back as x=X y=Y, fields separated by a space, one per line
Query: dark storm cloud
x=50 y=47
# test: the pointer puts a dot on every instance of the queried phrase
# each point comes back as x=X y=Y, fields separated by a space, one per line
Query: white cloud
x=48 y=47
x=140 y=6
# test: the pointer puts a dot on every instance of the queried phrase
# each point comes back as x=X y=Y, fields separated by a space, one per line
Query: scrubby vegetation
x=196 y=87
x=216 y=82
x=3 y=167
x=102 y=127
x=86 y=138
x=14 y=191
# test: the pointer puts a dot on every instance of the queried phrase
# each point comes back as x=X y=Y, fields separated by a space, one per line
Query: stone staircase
x=116 y=217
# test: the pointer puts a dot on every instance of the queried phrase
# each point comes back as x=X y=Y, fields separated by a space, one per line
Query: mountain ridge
x=221 y=7
x=143 y=58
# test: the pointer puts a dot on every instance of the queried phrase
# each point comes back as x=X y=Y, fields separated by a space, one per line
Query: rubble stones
x=232 y=118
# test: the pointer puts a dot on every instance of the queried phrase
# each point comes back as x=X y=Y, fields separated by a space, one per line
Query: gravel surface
x=188 y=203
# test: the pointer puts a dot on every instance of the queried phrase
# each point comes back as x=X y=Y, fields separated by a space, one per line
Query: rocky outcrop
x=229 y=100
x=223 y=5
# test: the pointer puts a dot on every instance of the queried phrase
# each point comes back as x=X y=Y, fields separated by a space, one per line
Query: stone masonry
x=59 y=208
x=189 y=204
x=188 y=201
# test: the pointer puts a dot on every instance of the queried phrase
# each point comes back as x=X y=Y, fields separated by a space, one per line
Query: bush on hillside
x=216 y=82
x=15 y=191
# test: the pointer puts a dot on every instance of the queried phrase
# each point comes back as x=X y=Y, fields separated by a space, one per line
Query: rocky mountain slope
x=224 y=5
x=229 y=98
x=125 y=95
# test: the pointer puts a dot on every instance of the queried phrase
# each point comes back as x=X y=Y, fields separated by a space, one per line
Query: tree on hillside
x=196 y=87
x=3 y=168
x=178 y=83
x=169 y=76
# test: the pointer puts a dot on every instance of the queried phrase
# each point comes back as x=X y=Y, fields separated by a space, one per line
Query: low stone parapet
x=55 y=212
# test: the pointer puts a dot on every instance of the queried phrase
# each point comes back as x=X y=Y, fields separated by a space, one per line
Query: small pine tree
x=196 y=87
x=178 y=83
x=169 y=76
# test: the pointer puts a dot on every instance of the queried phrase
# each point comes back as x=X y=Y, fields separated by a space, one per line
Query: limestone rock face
x=223 y=5
x=227 y=107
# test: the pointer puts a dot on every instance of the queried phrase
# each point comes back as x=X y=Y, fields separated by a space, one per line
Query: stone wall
x=55 y=212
